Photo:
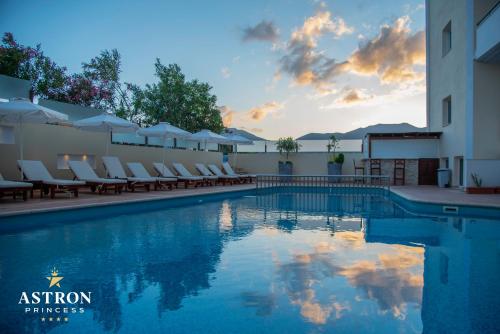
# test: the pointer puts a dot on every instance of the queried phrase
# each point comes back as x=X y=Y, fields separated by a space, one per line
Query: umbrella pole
x=21 y=147
x=107 y=142
x=163 y=151
x=235 y=155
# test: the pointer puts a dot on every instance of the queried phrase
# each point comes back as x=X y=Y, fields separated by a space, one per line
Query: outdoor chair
x=36 y=173
x=115 y=170
x=83 y=172
x=15 y=187
x=182 y=171
x=139 y=171
x=229 y=171
x=164 y=171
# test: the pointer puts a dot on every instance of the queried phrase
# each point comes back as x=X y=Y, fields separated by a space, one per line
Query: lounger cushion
x=185 y=174
x=163 y=170
x=229 y=170
x=59 y=182
x=14 y=184
x=34 y=170
x=114 y=167
x=167 y=179
x=203 y=170
x=219 y=173
x=106 y=181
x=141 y=179
x=82 y=170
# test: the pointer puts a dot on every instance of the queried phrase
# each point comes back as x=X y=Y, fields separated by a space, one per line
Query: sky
x=278 y=68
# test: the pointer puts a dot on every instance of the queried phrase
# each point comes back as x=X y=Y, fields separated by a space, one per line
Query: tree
x=47 y=79
x=104 y=73
x=186 y=104
x=287 y=145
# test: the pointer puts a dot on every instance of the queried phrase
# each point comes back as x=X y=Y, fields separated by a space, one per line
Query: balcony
x=488 y=37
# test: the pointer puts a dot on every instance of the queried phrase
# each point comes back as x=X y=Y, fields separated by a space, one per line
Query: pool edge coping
x=392 y=191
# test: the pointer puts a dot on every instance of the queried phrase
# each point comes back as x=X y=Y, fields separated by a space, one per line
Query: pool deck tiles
x=426 y=194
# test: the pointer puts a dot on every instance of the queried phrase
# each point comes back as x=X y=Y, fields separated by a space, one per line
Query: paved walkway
x=452 y=196
x=87 y=199
x=429 y=194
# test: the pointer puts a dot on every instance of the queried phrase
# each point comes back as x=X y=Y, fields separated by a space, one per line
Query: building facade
x=463 y=87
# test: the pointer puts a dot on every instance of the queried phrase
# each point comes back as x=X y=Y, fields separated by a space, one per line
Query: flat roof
x=404 y=135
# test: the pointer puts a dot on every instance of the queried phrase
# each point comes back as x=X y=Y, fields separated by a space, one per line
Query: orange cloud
x=392 y=54
x=227 y=115
x=303 y=62
x=260 y=112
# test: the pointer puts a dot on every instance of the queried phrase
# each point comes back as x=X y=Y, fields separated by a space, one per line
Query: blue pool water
x=273 y=262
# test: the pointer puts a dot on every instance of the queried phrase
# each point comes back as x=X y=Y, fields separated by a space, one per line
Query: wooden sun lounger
x=182 y=171
x=139 y=171
x=115 y=170
x=35 y=172
x=14 y=188
x=220 y=178
x=83 y=172
x=164 y=171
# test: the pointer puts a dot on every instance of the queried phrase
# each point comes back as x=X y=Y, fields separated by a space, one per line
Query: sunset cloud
x=227 y=115
x=392 y=54
x=303 y=61
x=260 y=112
x=263 y=31
x=256 y=114
x=353 y=96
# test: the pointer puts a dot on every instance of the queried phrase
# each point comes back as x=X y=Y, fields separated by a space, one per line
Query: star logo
x=54 y=279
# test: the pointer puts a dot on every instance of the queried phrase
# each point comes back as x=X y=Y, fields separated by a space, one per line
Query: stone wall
x=387 y=168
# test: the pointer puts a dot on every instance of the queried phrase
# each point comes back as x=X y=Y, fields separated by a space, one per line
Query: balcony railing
x=325 y=181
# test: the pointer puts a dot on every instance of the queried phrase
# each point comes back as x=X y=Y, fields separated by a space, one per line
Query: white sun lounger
x=15 y=187
x=83 y=172
x=36 y=172
x=228 y=178
x=164 y=171
x=179 y=168
x=139 y=171
x=229 y=171
x=208 y=175
x=115 y=170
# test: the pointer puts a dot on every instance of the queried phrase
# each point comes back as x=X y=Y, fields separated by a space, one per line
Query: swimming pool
x=274 y=261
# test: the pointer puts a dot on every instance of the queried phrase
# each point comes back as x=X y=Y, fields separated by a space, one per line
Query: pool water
x=279 y=262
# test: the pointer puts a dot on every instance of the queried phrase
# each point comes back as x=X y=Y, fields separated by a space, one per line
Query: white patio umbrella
x=106 y=123
x=20 y=111
x=165 y=131
x=237 y=140
x=207 y=136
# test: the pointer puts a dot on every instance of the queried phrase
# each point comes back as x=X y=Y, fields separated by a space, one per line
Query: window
x=447 y=39
x=447 y=111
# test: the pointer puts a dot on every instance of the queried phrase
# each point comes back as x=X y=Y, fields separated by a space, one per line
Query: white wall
x=404 y=148
x=487 y=170
x=447 y=76
x=13 y=87
x=304 y=163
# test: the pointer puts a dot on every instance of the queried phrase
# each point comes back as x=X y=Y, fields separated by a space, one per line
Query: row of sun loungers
x=38 y=177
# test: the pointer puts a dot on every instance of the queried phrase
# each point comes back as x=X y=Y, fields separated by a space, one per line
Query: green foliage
x=19 y=61
x=333 y=144
x=287 y=145
x=476 y=179
x=339 y=158
x=186 y=104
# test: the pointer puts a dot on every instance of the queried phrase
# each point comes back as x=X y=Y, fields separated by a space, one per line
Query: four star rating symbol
x=51 y=319
x=54 y=279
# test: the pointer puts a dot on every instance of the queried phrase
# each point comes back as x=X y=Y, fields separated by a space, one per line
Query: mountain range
x=360 y=133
